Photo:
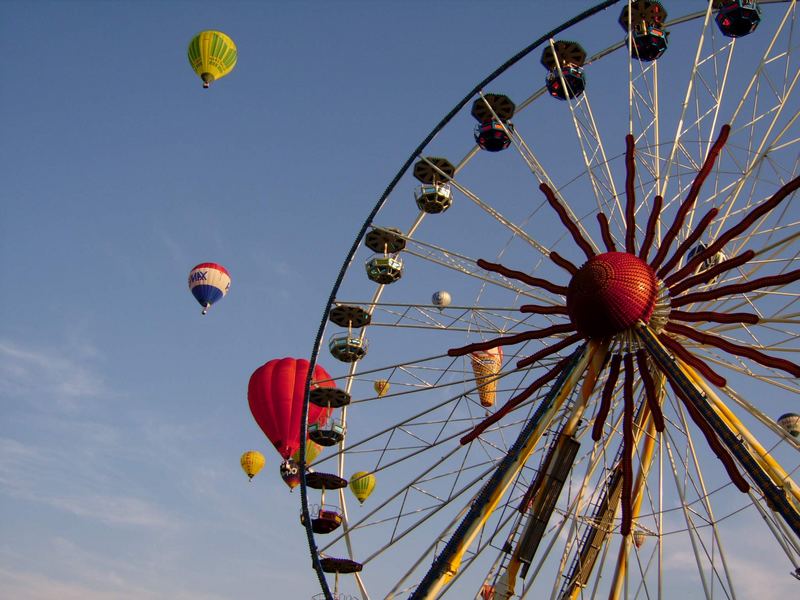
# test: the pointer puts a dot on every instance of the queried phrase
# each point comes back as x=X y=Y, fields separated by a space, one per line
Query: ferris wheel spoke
x=785 y=27
x=488 y=209
x=423 y=379
x=591 y=146
x=757 y=150
x=416 y=364
x=391 y=498
x=424 y=519
x=427 y=516
x=754 y=451
x=765 y=473
x=701 y=60
x=779 y=381
x=746 y=359
x=770 y=254
x=437 y=437
x=785 y=541
x=447 y=317
x=686 y=515
x=704 y=496
x=644 y=126
x=482 y=546
x=489 y=321
x=594 y=514
x=466 y=266
x=761 y=417
x=645 y=457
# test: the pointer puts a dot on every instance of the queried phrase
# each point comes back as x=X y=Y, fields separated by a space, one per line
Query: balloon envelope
x=275 y=394
x=209 y=282
x=252 y=462
x=441 y=299
x=381 y=387
x=362 y=484
x=212 y=55
x=290 y=473
x=791 y=423
x=312 y=451
x=486 y=365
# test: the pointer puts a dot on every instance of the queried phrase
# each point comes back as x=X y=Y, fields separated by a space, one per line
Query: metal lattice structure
x=633 y=253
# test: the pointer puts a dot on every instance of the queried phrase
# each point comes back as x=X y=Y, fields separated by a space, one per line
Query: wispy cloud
x=26 y=473
x=754 y=567
x=85 y=575
x=174 y=249
x=27 y=585
x=47 y=374
x=113 y=510
x=17 y=460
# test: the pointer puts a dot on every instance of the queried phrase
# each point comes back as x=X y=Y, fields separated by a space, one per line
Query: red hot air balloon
x=275 y=395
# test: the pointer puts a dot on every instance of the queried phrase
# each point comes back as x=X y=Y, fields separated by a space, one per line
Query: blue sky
x=123 y=412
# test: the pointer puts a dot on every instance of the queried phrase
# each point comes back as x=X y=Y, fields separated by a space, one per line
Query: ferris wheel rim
x=376 y=209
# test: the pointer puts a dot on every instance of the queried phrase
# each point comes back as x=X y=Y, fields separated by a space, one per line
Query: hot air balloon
x=275 y=394
x=791 y=423
x=209 y=282
x=312 y=451
x=290 y=473
x=362 y=484
x=639 y=537
x=252 y=462
x=441 y=299
x=381 y=387
x=486 y=365
x=212 y=55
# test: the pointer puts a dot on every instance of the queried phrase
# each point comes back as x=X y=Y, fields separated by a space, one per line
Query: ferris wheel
x=562 y=340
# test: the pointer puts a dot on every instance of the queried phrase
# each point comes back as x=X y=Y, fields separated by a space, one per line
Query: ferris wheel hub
x=610 y=293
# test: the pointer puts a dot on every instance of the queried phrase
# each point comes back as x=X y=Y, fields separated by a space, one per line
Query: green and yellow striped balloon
x=212 y=55
x=362 y=484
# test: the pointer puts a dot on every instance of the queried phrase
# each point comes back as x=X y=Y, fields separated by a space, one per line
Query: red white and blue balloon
x=209 y=282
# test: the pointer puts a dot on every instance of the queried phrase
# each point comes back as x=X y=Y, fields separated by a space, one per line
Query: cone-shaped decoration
x=486 y=365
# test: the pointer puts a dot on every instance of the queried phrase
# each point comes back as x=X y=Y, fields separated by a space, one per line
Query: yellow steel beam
x=474 y=527
x=641 y=478
x=772 y=467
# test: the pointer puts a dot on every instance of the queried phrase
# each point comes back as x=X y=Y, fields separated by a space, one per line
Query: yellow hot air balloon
x=212 y=55
x=252 y=462
x=312 y=451
x=381 y=387
x=362 y=484
x=486 y=365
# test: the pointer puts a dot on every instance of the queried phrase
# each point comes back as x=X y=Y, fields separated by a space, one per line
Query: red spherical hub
x=610 y=293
